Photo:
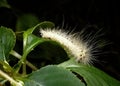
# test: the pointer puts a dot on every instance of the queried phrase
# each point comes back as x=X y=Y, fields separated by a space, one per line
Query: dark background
x=75 y=13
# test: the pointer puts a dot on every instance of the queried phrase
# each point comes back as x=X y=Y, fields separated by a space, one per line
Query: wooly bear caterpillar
x=84 y=51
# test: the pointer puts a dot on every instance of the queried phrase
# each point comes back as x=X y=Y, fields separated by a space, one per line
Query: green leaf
x=26 y=21
x=3 y=3
x=30 y=40
x=46 y=24
x=91 y=75
x=29 y=20
x=52 y=76
x=7 y=42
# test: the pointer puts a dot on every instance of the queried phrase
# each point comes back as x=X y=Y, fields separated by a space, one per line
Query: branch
x=14 y=53
x=4 y=75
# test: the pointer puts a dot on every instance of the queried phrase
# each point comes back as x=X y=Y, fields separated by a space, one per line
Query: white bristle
x=73 y=44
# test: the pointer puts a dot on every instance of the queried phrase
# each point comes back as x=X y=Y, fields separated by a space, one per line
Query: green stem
x=24 y=68
x=6 y=66
x=20 y=63
x=15 y=54
x=4 y=75
x=3 y=82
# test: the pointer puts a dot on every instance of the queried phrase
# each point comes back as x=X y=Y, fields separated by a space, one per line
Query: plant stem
x=6 y=66
x=3 y=74
x=19 y=64
x=3 y=82
x=24 y=68
x=14 y=53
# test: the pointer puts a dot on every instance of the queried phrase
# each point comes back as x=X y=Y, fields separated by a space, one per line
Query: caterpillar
x=73 y=43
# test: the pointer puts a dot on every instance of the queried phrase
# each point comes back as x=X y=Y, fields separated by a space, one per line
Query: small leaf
x=91 y=75
x=30 y=40
x=46 y=24
x=7 y=42
x=3 y=3
x=52 y=76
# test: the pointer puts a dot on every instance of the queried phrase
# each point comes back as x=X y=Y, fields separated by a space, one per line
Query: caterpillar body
x=72 y=43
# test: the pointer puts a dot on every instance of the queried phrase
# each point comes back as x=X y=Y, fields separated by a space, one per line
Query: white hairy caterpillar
x=73 y=44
